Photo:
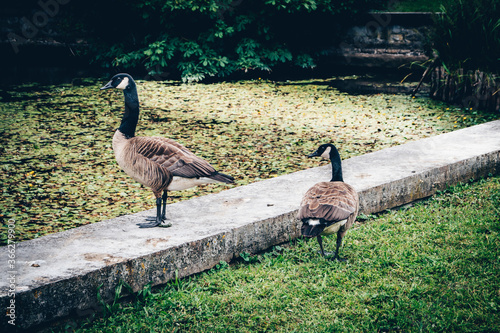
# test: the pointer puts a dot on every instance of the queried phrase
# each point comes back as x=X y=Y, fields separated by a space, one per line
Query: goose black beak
x=107 y=86
x=313 y=154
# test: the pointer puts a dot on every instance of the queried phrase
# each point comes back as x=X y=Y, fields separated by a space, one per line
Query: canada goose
x=329 y=207
x=158 y=163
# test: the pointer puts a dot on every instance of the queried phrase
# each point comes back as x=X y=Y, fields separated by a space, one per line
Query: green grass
x=433 y=267
x=58 y=169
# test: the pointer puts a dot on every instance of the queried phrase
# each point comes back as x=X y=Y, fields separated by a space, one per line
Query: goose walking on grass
x=329 y=207
x=156 y=162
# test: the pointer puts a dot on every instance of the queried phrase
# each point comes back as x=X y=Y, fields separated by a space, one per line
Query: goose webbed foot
x=155 y=223
x=332 y=256
x=149 y=225
x=339 y=259
x=326 y=254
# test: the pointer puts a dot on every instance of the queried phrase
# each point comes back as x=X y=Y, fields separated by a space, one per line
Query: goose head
x=121 y=81
x=329 y=151
x=324 y=151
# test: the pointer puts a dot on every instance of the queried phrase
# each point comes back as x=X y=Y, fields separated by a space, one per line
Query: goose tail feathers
x=223 y=178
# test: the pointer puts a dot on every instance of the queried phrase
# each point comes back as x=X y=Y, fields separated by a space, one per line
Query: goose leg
x=339 y=242
x=336 y=253
x=320 y=241
x=157 y=220
x=164 y=212
x=164 y=199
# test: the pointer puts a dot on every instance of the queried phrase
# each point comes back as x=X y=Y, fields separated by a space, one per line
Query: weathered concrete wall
x=59 y=274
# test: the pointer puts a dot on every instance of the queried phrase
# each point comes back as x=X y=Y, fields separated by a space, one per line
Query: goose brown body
x=163 y=164
x=140 y=167
x=333 y=204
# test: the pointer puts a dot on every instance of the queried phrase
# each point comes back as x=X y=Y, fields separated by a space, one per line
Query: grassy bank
x=58 y=167
x=433 y=267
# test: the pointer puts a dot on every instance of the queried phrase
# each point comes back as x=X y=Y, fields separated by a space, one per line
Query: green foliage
x=198 y=39
x=468 y=35
x=222 y=265
x=245 y=256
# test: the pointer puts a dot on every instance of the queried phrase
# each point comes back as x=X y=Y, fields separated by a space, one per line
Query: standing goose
x=158 y=163
x=329 y=207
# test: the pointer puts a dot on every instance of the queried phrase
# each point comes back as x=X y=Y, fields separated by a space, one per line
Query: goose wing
x=329 y=201
x=173 y=156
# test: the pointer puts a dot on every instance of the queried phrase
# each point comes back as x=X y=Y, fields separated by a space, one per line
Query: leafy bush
x=197 y=39
x=468 y=35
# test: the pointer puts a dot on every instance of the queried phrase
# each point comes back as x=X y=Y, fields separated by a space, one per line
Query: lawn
x=58 y=167
x=430 y=267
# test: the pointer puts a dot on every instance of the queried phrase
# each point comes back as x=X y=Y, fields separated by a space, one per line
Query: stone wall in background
x=386 y=40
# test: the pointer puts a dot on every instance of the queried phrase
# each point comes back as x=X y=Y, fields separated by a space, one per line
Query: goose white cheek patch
x=326 y=153
x=123 y=84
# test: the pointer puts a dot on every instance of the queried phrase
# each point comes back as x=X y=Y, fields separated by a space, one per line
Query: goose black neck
x=336 y=166
x=131 y=114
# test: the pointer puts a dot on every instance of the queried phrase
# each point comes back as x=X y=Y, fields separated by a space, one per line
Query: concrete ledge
x=59 y=274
